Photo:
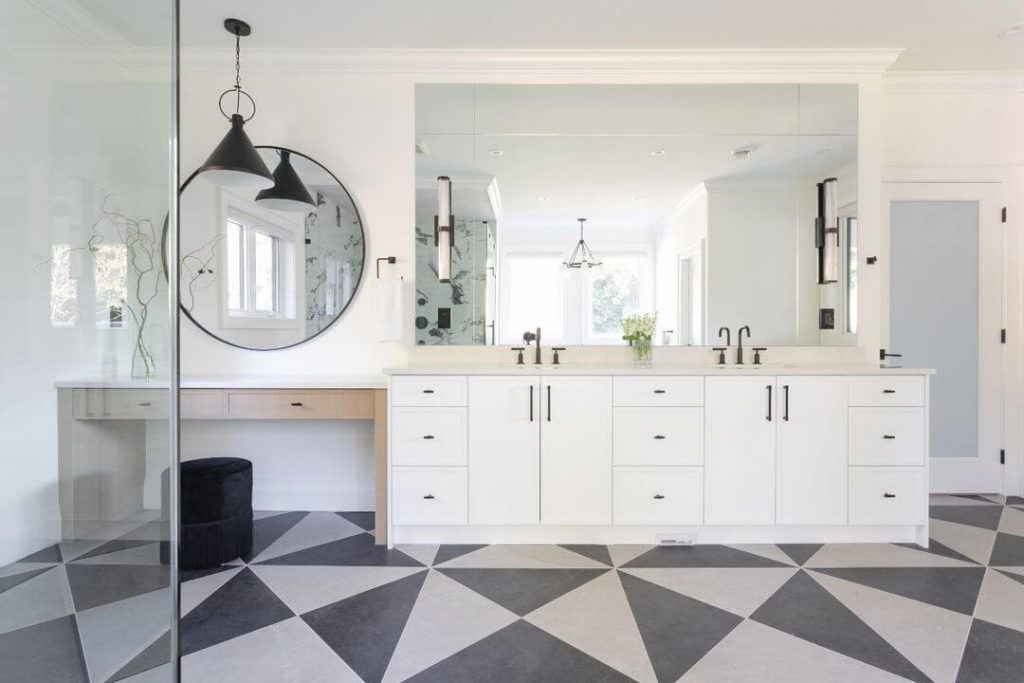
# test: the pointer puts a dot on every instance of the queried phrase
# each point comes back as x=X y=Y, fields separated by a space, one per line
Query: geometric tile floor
x=318 y=601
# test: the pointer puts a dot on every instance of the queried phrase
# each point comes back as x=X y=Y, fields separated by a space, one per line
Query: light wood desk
x=102 y=430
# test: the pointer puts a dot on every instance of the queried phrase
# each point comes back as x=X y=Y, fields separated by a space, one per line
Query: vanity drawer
x=887 y=495
x=887 y=391
x=659 y=496
x=429 y=436
x=658 y=436
x=325 y=404
x=426 y=390
x=121 y=404
x=202 y=404
x=429 y=495
x=886 y=436
x=659 y=391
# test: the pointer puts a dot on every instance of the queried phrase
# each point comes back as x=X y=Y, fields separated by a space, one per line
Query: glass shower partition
x=88 y=411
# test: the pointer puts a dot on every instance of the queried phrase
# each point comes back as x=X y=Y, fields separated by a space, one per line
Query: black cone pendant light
x=289 y=193
x=235 y=162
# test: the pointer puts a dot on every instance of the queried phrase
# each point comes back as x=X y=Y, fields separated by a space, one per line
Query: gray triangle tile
x=1016 y=577
x=161 y=674
x=984 y=516
x=1001 y=600
x=316 y=528
x=42 y=598
x=421 y=552
x=109 y=547
x=520 y=557
x=700 y=556
x=1014 y=500
x=10 y=581
x=623 y=554
x=47 y=651
x=241 y=605
x=598 y=553
x=979 y=498
x=22 y=567
x=364 y=630
x=1008 y=551
x=522 y=653
x=114 y=633
x=736 y=590
x=677 y=630
x=155 y=655
x=48 y=554
x=946 y=499
x=993 y=653
x=364 y=520
x=1012 y=521
x=354 y=551
x=800 y=552
x=973 y=542
x=767 y=550
x=93 y=585
x=193 y=593
x=522 y=590
x=268 y=529
x=141 y=553
x=305 y=589
x=193 y=574
x=936 y=548
x=951 y=588
x=879 y=555
x=804 y=609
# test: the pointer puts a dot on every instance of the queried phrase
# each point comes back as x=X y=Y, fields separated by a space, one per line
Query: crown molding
x=490 y=62
x=953 y=82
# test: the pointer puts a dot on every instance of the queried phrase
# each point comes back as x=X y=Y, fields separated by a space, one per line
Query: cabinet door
x=576 y=450
x=811 y=482
x=739 y=450
x=504 y=450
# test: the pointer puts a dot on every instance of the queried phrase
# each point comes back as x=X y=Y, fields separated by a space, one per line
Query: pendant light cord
x=238 y=71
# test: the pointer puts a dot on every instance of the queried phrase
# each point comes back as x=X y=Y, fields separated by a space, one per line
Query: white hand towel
x=390 y=313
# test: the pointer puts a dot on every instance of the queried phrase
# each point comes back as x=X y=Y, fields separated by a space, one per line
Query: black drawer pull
x=888 y=436
x=658 y=496
x=659 y=437
x=659 y=391
x=297 y=404
x=888 y=391
x=145 y=404
x=428 y=437
x=429 y=496
x=888 y=495
x=428 y=391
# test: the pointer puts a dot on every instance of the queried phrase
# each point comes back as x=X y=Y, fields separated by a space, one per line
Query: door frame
x=954 y=474
x=692 y=255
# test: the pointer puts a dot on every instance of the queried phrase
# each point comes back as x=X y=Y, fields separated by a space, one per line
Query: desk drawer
x=325 y=404
x=430 y=495
x=202 y=404
x=658 y=436
x=428 y=390
x=887 y=391
x=429 y=436
x=659 y=391
x=659 y=495
x=886 y=436
x=887 y=495
x=121 y=404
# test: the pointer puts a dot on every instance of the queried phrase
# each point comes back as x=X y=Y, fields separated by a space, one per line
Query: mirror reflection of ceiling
x=626 y=155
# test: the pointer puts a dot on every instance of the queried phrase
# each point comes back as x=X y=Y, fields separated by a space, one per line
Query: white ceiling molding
x=953 y=82
x=490 y=62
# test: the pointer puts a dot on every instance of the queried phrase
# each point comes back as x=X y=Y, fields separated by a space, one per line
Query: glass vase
x=642 y=353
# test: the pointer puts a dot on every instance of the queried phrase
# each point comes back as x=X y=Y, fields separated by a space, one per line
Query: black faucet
x=533 y=337
x=728 y=335
x=739 y=342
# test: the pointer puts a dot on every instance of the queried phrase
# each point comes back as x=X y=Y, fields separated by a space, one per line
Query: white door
x=576 y=450
x=811 y=458
x=943 y=308
x=504 y=450
x=739 y=450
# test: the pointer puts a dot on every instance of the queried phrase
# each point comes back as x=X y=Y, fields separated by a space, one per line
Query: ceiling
x=942 y=35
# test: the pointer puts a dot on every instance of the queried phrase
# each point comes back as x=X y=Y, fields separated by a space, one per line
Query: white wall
x=685 y=229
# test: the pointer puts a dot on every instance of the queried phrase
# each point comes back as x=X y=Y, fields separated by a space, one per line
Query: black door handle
x=769 y=418
x=428 y=437
x=659 y=437
x=888 y=391
x=297 y=404
x=659 y=391
x=658 y=496
x=429 y=496
x=888 y=436
x=428 y=391
x=888 y=495
x=549 y=403
x=785 y=393
x=531 y=403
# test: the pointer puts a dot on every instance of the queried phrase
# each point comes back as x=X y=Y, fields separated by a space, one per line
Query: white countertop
x=657 y=369
x=232 y=382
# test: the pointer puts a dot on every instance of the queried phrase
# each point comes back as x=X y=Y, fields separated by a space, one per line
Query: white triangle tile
x=263 y=514
x=736 y=590
x=755 y=653
x=1019 y=571
x=932 y=638
x=305 y=588
x=113 y=634
x=447 y=618
x=140 y=554
x=1012 y=521
x=596 y=618
x=523 y=557
x=314 y=529
x=22 y=567
x=161 y=674
x=39 y=599
x=72 y=550
x=970 y=541
x=1001 y=601
x=621 y=554
x=768 y=551
x=424 y=554
x=947 y=499
x=288 y=651
x=195 y=591
x=878 y=555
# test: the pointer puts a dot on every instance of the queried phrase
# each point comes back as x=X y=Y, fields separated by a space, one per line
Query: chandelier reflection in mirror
x=582 y=257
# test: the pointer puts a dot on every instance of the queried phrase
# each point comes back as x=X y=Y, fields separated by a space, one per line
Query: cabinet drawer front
x=202 y=404
x=659 y=436
x=886 y=436
x=887 y=495
x=659 y=495
x=414 y=390
x=659 y=391
x=334 y=404
x=887 y=391
x=429 y=495
x=121 y=404
x=429 y=436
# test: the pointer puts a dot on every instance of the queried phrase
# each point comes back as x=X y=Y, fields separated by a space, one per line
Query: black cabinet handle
x=769 y=417
x=785 y=408
x=888 y=495
x=429 y=496
x=888 y=391
x=297 y=404
x=659 y=437
x=428 y=437
x=549 y=403
x=888 y=436
x=428 y=391
x=659 y=391
x=531 y=403
x=145 y=404
x=658 y=496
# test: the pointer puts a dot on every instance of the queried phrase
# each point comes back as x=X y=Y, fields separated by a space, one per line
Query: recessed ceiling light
x=495 y=152
x=657 y=152
x=1011 y=31
x=543 y=199
x=638 y=199
x=742 y=153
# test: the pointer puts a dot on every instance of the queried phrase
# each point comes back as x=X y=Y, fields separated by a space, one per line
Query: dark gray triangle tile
x=520 y=653
x=1008 y=551
x=50 y=651
x=450 y=552
x=1014 y=500
x=354 y=551
x=364 y=629
x=677 y=630
x=700 y=556
x=242 y=605
x=993 y=654
x=1016 y=577
x=364 y=520
x=597 y=553
x=800 y=552
x=522 y=590
x=983 y=516
x=267 y=530
x=936 y=548
x=47 y=554
x=969 y=496
x=9 y=582
x=193 y=574
x=111 y=547
x=156 y=654
x=806 y=610
x=93 y=585
x=953 y=588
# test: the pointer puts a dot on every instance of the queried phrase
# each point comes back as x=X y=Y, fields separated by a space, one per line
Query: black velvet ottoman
x=216 y=511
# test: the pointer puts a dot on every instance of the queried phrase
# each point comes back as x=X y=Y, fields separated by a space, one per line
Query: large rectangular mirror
x=711 y=205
